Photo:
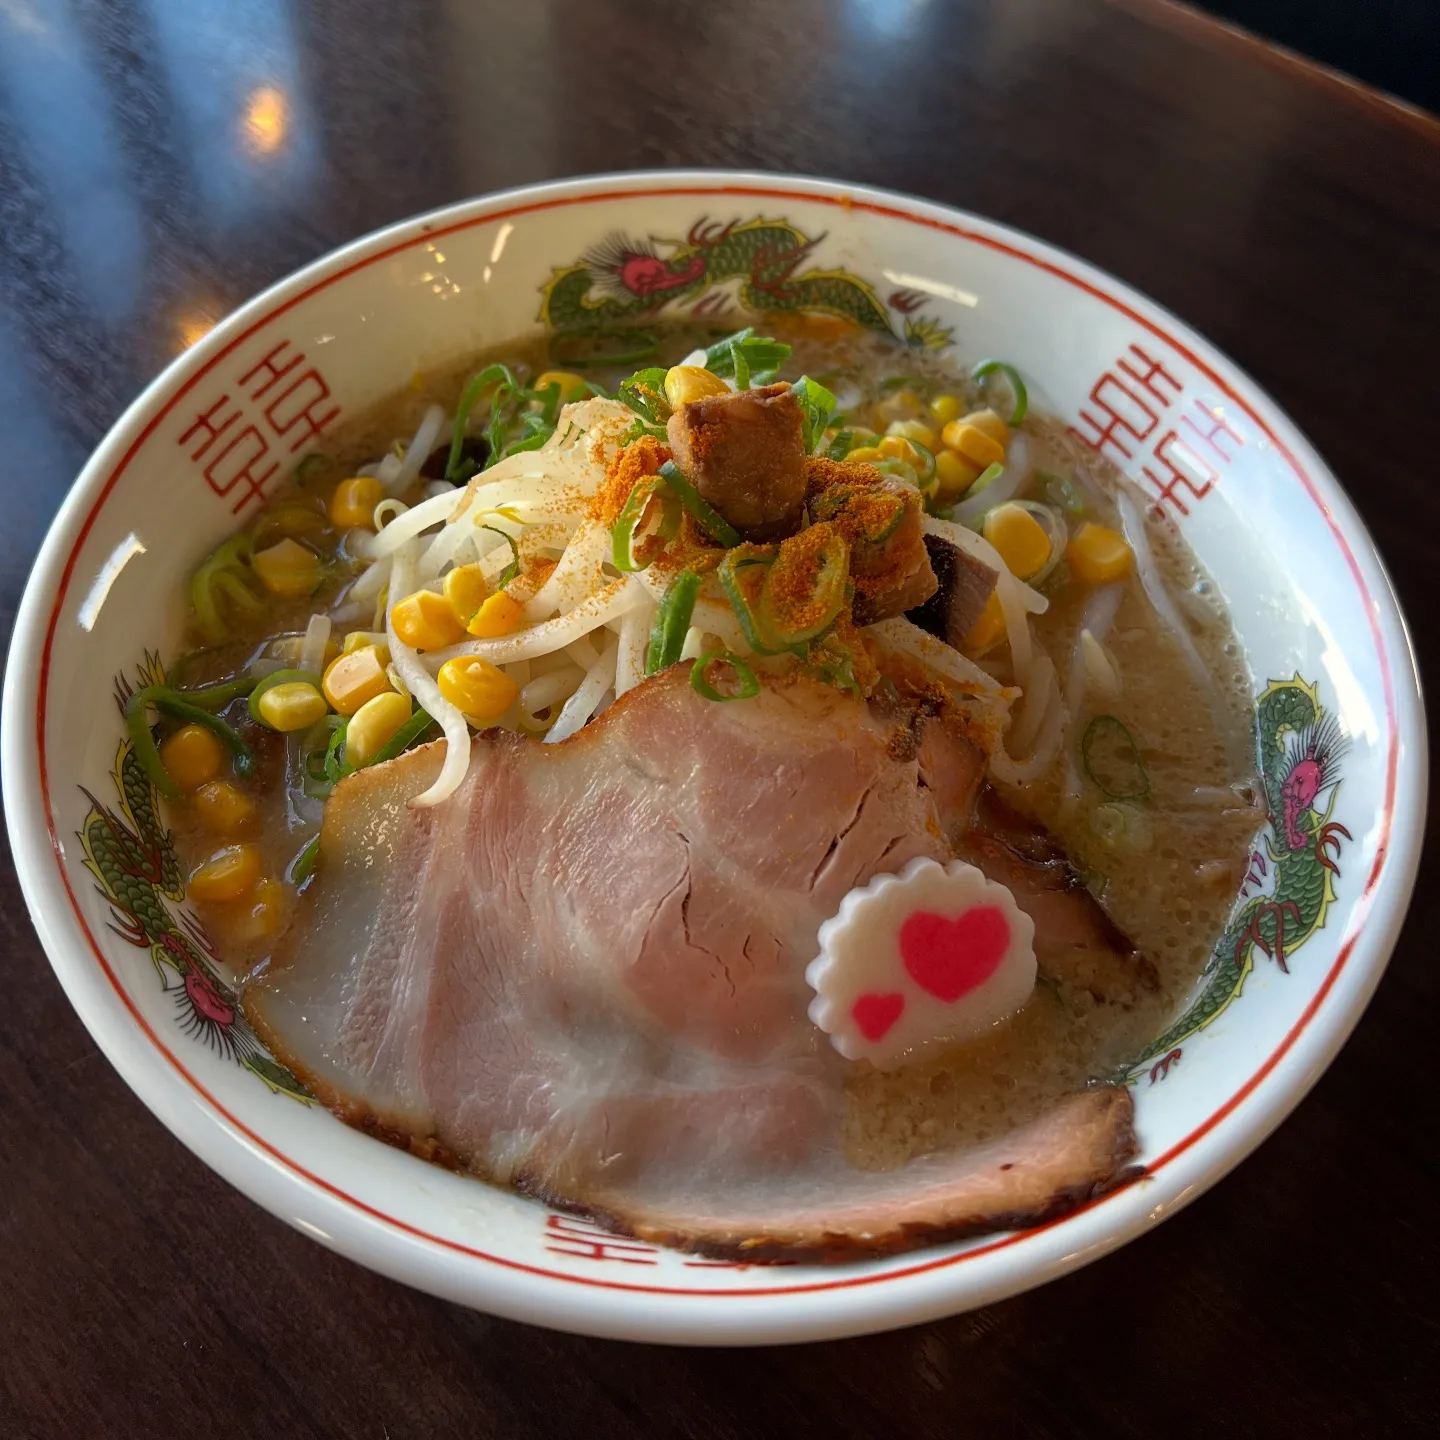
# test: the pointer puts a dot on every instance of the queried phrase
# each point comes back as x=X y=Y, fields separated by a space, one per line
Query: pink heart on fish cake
x=950 y=958
x=875 y=1014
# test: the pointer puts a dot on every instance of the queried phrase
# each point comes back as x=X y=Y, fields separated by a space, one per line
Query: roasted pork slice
x=963 y=587
x=745 y=454
x=1076 y=942
x=583 y=975
x=880 y=518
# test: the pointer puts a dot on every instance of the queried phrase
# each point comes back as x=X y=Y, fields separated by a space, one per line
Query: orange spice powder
x=821 y=473
x=794 y=578
x=638 y=459
x=862 y=662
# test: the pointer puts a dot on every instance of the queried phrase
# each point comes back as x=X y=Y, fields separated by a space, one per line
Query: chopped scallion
x=303 y=865
x=672 y=622
x=747 y=683
x=644 y=393
x=406 y=736
x=755 y=357
x=1112 y=759
x=1017 y=386
x=626 y=535
x=513 y=568
x=709 y=519
x=818 y=405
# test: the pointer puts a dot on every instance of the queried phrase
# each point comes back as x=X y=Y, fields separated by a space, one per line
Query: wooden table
x=1293 y=219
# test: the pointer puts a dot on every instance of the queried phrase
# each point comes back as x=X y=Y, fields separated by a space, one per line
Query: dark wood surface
x=1293 y=220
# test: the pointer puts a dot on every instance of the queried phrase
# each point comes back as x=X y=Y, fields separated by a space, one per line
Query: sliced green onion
x=709 y=519
x=748 y=358
x=316 y=780
x=404 y=737
x=303 y=865
x=743 y=593
x=818 y=405
x=644 y=393
x=215 y=697
x=749 y=684
x=974 y=519
x=142 y=741
x=828 y=591
x=241 y=755
x=988 y=476
x=1062 y=491
x=835 y=665
x=672 y=622
x=308 y=468
x=1052 y=522
x=488 y=376
x=270 y=681
x=513 y=568
x=237 y=592
x=625 y=536
x=925 y=470
x=182 y=664
x=642 y=427
x=220 y=566
x=740 y=363
x=1117 y=750
x=841 y=445
x=175 y=704
x=832 y=502
x=1017 y=385
x=335 y=765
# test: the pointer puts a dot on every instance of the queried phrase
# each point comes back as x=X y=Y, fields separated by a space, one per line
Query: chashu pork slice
x=583 y=975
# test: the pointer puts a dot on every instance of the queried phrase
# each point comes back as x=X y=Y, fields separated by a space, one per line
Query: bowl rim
x=843 y=1304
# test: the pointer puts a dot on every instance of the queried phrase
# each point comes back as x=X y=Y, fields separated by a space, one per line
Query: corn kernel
x=902 y=405
x=224 y=809
x=295 y=705
x=372 y=727
x=499 y=615
x=987 y=629
x=988 y=423
x=955 y=474
x=267 y=909
x=192 y=755
x=868 y=454
x=359 y=639
x=1020 y=538
x=1098 y=554
x=465 y=589
x=946 y=408
x=354 y=501
x=229 y=874
x=916 y=430
x=288 y=568
x=572 y=386
x=897 y=447
x=425 y=621
x=686 y=383
x=482 y=690
x=355 y=678
x=973 y=443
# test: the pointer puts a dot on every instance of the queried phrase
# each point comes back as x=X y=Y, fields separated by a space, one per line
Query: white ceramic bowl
x=234 y=414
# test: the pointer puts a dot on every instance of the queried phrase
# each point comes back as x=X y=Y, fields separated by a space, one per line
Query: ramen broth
x=1166 y=864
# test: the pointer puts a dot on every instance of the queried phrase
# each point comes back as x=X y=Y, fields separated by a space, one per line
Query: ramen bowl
x=233 y=417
